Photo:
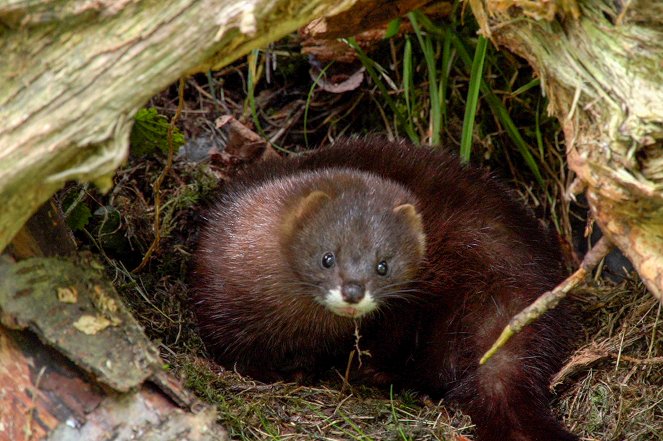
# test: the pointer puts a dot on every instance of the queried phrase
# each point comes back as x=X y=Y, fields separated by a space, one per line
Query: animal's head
x=356 y=244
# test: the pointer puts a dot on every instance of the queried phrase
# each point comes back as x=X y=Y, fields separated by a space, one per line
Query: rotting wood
x=73 y=76
x=367 y=22
x=84 y=377
x=70 y=306
x=44 y=235
x=602 y=72
x=44 y=396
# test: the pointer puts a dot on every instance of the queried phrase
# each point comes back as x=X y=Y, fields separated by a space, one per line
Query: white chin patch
x=335 y=303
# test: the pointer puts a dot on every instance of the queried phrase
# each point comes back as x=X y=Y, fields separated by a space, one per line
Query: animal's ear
x=302 y=209
x=414 y=220
x=310 y=204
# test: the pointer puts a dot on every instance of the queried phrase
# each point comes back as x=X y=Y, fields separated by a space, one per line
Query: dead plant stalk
x=550 y=299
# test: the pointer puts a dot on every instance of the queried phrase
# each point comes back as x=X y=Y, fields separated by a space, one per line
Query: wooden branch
x=602 y=73
x=73 y=76
x=550 y=299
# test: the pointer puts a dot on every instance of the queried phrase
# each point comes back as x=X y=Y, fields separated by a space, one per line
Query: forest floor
x=610 y=389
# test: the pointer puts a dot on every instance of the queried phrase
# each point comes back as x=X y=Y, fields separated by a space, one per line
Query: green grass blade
x=269 y=427
x=308 y=100
x=426 y=23
x=252 y=60
x=360 y=435
x=500 y=111
x=476 y=77
x=429 y=55
x=497 y=107
x=444 y=77
x=392 y=28
x=212 y=91
x=503 y=114
x=368 y=65
x=522 y=89
x=537 y=122
x=408 y=77
x=394 y=415
x=447 y=54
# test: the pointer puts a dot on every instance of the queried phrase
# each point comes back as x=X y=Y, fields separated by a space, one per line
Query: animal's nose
x=352 y=292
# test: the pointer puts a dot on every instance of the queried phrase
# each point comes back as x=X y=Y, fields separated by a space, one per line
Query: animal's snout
x=352 y=292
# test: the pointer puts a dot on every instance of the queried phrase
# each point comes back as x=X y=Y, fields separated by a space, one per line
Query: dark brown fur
x=486 y=259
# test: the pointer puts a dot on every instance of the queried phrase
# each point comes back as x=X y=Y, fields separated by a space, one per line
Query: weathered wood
x=550 y=299
x=602 y=73
x=70 y=306
x=367 y=23
x=87 y=379
x=74 y=73
x=45 y=234
x=44 y=396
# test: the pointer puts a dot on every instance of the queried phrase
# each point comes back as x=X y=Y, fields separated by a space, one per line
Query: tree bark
x=601 y=65
x=75 y=72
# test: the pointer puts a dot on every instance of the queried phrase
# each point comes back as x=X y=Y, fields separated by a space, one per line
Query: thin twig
x=157 y=184
x=550 y=299
x=346 y=377
x=635 y=360
x=357 y=350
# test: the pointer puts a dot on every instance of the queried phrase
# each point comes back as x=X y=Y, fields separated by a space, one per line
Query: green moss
x=77 y=212
x=150 y=132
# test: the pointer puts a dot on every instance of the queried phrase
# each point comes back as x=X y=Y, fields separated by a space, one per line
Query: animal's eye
x=382 y=268
x=328 y=260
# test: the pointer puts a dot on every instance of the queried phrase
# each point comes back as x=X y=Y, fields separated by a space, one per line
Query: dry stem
x=550 y=299
x=162 y=176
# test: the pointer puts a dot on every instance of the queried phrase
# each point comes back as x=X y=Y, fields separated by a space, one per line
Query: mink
x=427 y=258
